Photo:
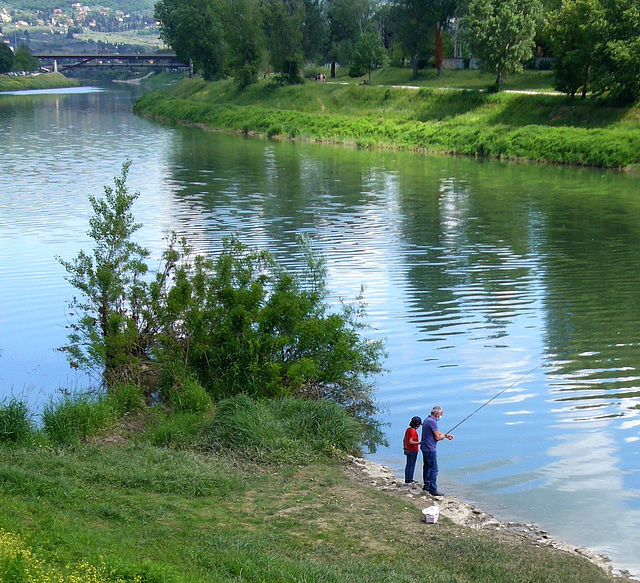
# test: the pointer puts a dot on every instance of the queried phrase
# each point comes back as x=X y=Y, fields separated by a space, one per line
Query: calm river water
x=476 y=273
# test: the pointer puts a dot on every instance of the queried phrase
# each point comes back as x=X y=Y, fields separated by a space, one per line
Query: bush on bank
x=505 y=126
x=203 y=328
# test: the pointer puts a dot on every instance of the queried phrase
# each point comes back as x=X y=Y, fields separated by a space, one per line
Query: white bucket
x=431 y=514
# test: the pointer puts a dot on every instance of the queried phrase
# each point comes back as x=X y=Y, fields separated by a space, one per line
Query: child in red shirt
x=411 y=445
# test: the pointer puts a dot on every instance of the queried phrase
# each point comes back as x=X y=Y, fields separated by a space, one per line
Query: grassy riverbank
x=144 y=513
x=251 y=491
x=448 y=119
x=44 y=81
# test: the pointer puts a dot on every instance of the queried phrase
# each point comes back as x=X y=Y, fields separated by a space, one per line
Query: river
x=481 y=276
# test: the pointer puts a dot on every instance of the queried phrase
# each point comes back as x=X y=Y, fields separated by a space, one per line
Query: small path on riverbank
x=416 y=87
x=133 y=81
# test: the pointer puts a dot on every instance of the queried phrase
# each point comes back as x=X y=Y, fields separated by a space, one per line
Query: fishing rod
x=492 y=398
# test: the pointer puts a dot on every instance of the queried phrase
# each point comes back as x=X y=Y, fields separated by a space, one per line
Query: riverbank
x=130 y=511
x=460 y=512
x=509 y=126
x=30 y=82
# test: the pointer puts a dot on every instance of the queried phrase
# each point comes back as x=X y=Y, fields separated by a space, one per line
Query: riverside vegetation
x=30 y=82
x=450 y=114
x=230 y=399
x=246 y=491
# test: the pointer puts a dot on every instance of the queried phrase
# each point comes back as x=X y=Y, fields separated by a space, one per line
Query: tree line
x=22 y=60
x=595 y=44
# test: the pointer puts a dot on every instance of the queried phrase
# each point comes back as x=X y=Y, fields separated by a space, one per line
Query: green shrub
x=16 y=426
x=189 y=397
x=246 y=75
x=311 y=72
x=286 y=430
x=126 y=398
x=237 y=323
x=76 y=417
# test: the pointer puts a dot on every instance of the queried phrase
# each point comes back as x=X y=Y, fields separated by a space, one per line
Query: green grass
x=251 y=492
x=507 y=125
x=541 y=81
x=45 y=81
x=165 y=516
x=543 y=128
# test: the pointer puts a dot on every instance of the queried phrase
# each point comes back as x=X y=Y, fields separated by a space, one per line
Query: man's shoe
x=436 y=493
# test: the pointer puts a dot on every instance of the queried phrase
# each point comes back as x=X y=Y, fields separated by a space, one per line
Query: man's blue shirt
x=428 y=441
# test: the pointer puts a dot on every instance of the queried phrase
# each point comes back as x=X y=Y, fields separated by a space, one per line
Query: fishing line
x=494 y=397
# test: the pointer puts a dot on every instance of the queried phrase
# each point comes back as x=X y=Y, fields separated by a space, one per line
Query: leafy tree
x=235 y=324
x=618 y=58
x=315 y=29
x=283 y=22
x=6 y=58
x=368 y=54
x=501 y=33
x=245 y=39
x=415 y=20
x=110 y=335
x=24 y=60
x=348 y=21
x=597 y=46
x=575 y=30
x=194 y=30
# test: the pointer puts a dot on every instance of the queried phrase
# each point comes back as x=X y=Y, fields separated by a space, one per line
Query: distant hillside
x=47 y=5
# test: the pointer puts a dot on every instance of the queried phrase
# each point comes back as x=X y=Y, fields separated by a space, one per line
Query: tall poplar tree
x=283 y=27
x=6 y=58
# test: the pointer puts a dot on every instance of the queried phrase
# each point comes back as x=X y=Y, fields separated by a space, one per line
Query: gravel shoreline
x=458 y=511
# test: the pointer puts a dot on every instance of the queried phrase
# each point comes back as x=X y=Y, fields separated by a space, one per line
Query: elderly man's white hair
x=436 y=410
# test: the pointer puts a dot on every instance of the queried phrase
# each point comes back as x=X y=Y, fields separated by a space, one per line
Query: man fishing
x=430 y=438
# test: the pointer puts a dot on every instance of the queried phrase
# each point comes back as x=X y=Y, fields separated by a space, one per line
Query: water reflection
x=481 y=276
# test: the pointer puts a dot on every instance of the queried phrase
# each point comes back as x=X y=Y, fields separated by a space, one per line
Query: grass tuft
x=286 y=430
x=16 y=426
x=75 y=417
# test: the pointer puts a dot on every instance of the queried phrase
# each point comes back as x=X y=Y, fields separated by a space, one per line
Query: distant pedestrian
x=430 y=438
x=411 y=444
